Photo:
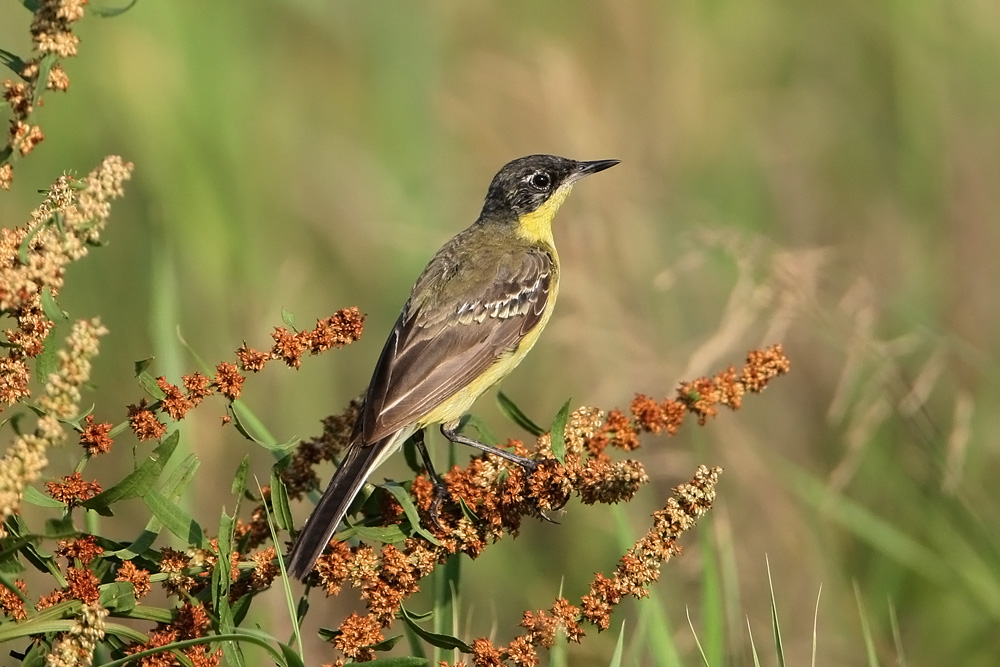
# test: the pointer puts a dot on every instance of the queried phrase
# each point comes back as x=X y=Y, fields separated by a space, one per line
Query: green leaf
x=616 y=657
x=50 y=307
x=37 y=556
x=418 y=617
x=386 y=644
x=288 y=318
x=241 y=608
x=118 y=596
x=775 y=625
x=141 y=544
x=174 y=519
x=240 y=480
x=292 y=659
x=486 y=435
x=221 y=582
x=142 y=365
x=328 y=635
x=139 y=481
x=149 y=385
x=146 y=380
x=403 y=498
x=410 y=454
x=279 y=501
x=60 y=528
x=398 y=662
x=385 y=534
x=180 y=477
x=12 y=62
x=10 y=584
x=232 y=652
x=559 y=433
x=36 y=655
x=47 y=362
x=173 y=488
x=446 y=642
x=44 y=67
x=285 y=581
x=24 y=250
x=110 y=12
x=244 y=418
x=467 y=511
x=35 y=497
x=516 y=415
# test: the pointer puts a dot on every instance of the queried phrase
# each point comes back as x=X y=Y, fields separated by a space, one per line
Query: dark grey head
x=524 y=184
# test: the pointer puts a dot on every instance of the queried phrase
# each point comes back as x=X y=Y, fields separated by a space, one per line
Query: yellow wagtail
x=472 y=315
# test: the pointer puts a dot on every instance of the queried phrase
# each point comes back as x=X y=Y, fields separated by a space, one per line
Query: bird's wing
x=456 y=325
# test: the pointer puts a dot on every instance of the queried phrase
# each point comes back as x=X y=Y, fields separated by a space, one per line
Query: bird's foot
x=440 y=493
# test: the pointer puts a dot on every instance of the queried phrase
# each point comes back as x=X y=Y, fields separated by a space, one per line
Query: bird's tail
x=358 y=464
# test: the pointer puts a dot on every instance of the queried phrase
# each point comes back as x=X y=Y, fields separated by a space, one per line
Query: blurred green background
x=825 y=175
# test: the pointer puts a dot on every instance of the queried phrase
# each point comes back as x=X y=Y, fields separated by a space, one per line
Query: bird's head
x=535 y=186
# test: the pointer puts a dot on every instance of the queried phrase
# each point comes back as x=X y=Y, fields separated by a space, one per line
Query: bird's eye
x=540 y=180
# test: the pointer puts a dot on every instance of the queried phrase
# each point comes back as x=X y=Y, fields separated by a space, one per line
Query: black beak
x=588 y=168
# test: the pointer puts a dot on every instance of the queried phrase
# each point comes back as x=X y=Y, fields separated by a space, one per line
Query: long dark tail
x=357 y=465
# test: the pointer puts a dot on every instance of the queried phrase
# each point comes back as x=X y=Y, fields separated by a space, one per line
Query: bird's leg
x=529 y=465
x=440 y=488
x=448 y=431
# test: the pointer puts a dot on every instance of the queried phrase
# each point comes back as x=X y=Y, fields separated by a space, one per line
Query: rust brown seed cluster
x=338 y=330
x=500 y=496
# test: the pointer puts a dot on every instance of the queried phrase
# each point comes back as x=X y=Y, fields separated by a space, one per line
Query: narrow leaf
x=240 y=480
x=141 y=365
x=385 y=534
x=174 y=519
x=292 y=659
x=50 y=307
x=559 y=433
x=467 y=511
x=779 y=647
x=486 y=435
x=110 y=12
x=403 y=498
x=141 y=544
x=35 y=497
x=47 y=362
x=149 y=385
x=279 y=502
x=173 y=488
x=244 y=420
x=616 y=657
x=24 y=250
x=44 y=67
x=386 y=644
x=140 y=480
x=118 y=596
x=446 y=642
x=516 y=415
x=12 y=62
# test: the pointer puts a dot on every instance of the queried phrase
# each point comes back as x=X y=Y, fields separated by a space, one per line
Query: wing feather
x=441 y=343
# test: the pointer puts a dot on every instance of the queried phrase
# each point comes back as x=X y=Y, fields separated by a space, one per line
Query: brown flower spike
x=499 y=497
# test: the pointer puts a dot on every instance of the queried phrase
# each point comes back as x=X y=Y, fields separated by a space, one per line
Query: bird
x=471 y=317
